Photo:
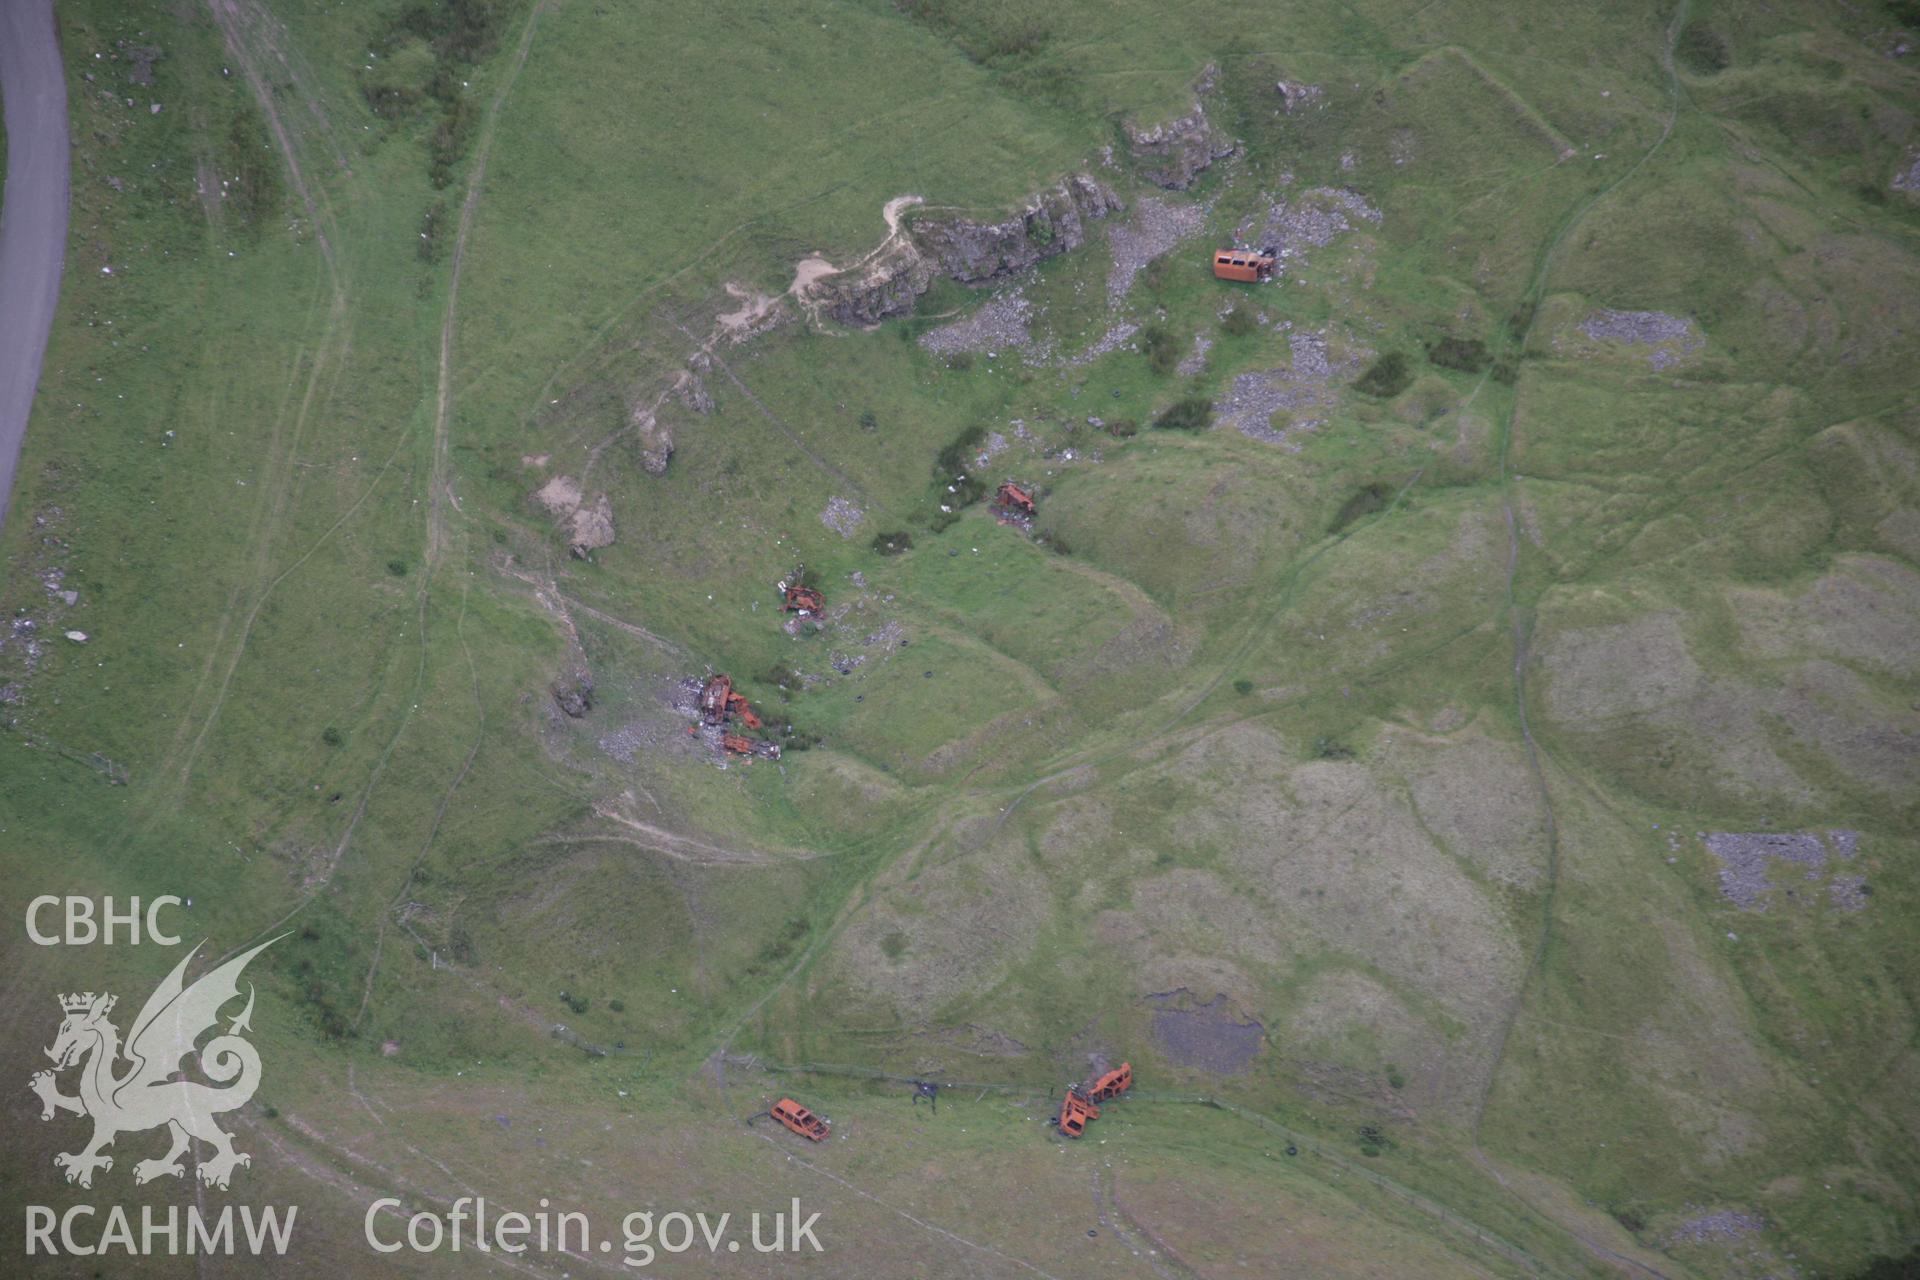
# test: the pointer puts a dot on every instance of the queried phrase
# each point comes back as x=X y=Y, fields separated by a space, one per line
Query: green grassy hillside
x=1355 y=765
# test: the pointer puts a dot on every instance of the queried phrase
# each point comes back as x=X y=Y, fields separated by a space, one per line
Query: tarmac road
x=33 y=221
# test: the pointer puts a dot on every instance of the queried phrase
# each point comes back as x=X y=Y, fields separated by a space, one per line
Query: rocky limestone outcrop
x=1174 y=153
x=591 y=527
x=1053 y=222
x=655 y=439
x=573 y=695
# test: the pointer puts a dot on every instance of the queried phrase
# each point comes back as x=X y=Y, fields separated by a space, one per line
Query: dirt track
x=33 y=227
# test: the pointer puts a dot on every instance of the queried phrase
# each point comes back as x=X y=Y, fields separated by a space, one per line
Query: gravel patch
x=1156 y=226
x=1306 y=389
x=1312 y=220
x=889 y=637
x=1908 y=179
x=1848 y=892
x=1746 y=861
x=1718 y=1226
x=1673 y=338
x=843 y=517
x=1112 y=340
x=996 y=445
x=1198 y=360
x=1001 y=324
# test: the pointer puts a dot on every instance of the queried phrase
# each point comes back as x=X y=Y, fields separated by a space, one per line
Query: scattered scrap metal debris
x=720 y=705
x=1013 y=505
x=801 y=599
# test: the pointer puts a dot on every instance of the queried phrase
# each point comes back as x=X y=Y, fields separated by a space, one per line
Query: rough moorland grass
x=1206 y=706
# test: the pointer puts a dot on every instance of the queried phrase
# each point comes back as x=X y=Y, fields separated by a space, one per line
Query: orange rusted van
x=1248 y=265
x=1112 y=1084
x=1076 y=1109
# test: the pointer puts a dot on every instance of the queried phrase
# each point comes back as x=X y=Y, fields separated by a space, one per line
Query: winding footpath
x=33 y=221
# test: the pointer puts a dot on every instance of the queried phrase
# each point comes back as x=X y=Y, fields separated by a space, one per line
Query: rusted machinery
x=714 y=700
x=804 y=601
x=1014 y=500
x=799 y=1119
x=719 y=702
x=1081 y=1106
x=1250 y=266
x=751 y=748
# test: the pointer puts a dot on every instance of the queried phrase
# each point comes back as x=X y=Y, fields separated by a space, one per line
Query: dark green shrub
x=1468 y=355
x=1243 y=687
x=1121 y=428
x=892 y=544
x=1363 y=502
x=1386 y=377
x=1161 y=349
x=1240 y=321
x=1702 y=50
x=1194 y=413
x=397 y=567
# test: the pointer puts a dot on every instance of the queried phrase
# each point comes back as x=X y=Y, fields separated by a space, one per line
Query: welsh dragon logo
x=151 y=1090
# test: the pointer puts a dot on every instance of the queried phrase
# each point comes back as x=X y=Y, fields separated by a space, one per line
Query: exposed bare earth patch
x=1207 y=1036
